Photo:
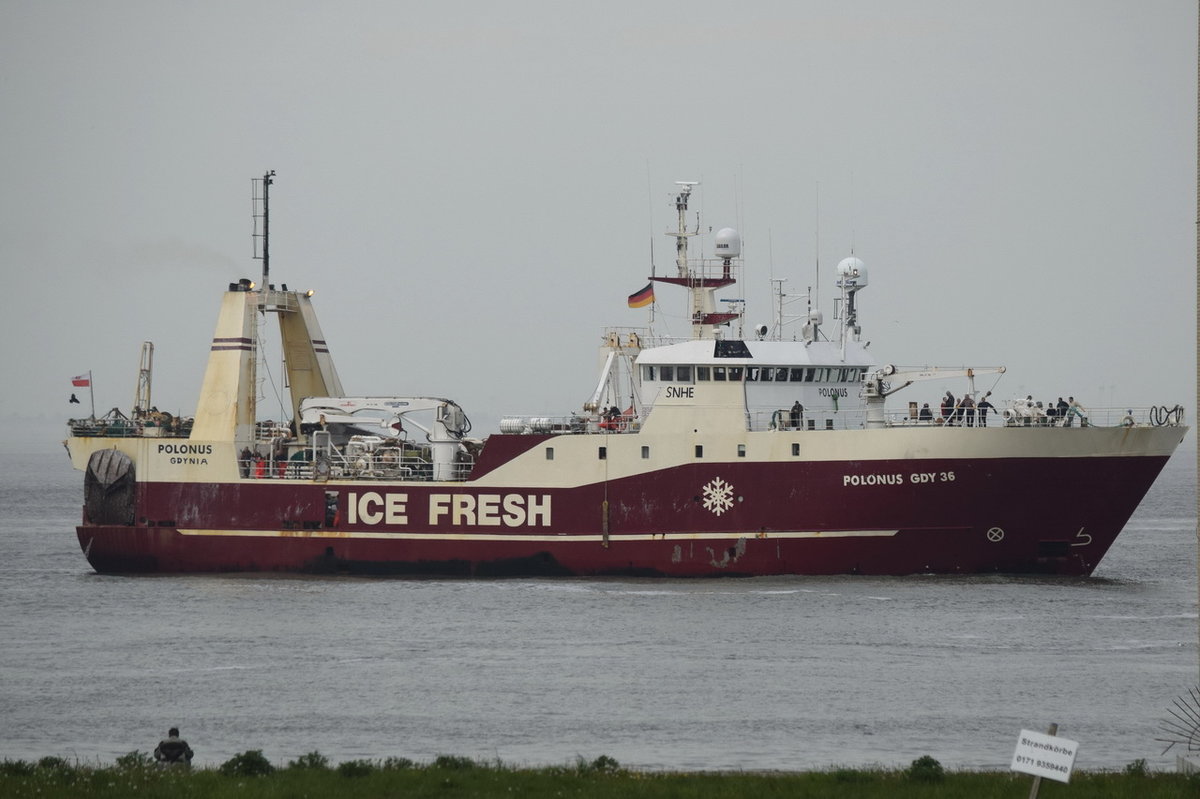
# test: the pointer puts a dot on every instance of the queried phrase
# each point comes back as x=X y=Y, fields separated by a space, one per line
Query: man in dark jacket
x=173 y=749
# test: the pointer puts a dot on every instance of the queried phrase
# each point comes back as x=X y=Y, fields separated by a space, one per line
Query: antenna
x=650 y=214
x=263 y=201
x=817 y=291
x=853 y=207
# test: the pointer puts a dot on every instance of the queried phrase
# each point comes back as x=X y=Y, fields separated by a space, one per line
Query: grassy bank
x=249 y=774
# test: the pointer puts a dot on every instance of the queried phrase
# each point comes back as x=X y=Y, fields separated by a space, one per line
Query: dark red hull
x=1012 y=515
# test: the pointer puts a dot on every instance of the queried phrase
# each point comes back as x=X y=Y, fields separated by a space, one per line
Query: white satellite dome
x=728 y=243
x=853 y=271
x=850 y=266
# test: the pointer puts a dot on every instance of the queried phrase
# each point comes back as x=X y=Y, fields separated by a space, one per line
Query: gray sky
x=471 y=187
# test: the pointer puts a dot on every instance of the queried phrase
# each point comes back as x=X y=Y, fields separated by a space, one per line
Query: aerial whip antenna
x=816 y=294
x=267 y=179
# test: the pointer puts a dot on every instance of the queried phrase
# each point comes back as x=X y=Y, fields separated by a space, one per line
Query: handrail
x=128 y=428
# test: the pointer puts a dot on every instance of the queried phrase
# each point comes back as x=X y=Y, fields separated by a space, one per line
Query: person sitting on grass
x=173 y=749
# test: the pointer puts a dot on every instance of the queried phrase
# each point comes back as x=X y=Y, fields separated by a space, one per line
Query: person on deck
x=926 y=414
x=967 y=408
x=983 y=406
x=797 y=415
x=948 y=408
x=173 y=749
x=1075 y=409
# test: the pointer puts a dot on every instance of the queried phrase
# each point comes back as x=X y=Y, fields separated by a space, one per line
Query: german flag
x=641 y=299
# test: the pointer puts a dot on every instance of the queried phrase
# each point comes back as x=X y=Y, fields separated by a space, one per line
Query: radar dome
x=728 y=243
x=853 y=271
x=849 y=267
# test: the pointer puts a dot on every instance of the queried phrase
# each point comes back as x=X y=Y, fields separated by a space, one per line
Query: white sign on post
x=1045 y=755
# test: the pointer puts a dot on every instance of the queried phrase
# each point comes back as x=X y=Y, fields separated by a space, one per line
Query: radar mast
x=693 y=275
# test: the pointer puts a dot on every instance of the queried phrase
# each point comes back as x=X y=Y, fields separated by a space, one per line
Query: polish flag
x=82 y=381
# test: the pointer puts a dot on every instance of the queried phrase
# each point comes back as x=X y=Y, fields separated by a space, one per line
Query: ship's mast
x=681 y=235
x=701 y=301
x=267 y=181
x=141 y=400
x=705 y=318
x=812 y=317
x=852 y=278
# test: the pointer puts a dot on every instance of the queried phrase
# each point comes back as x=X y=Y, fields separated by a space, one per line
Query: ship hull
x=885 y=517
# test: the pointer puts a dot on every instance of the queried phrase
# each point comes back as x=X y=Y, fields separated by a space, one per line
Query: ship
x=715 y=454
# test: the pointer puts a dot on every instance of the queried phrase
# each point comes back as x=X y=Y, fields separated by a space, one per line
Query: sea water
x=770 y=673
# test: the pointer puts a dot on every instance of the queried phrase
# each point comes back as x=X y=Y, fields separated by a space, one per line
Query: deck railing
x=856 y=419
x=129 y=428
x=369 y=458
x=1019 y=416
x=385 y=464
x=777 y=419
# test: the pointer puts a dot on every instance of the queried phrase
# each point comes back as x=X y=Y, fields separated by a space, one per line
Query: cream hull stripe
x=333 y=534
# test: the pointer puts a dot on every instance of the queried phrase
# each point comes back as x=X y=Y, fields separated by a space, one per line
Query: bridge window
x=666 y=373
x=781 y=374
x=719 y=373
x=767 y=376
x=683 y=374
x=730 y=349
x=735 y=374
x=702 y=372
x=647 y=373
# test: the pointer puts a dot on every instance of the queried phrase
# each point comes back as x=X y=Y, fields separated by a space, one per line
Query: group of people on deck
x=613 y=419
x=963 y=411
x=960 y=411
x=1058 y=414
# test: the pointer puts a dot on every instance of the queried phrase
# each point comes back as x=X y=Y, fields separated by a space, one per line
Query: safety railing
x=1023 y=415
x=1016 y=415
x=129 y=428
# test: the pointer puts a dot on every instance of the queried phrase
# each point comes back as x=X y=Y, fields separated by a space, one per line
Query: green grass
x=249 y=774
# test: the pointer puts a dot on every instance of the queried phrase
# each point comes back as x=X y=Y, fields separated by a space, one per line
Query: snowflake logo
x=718 y=496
